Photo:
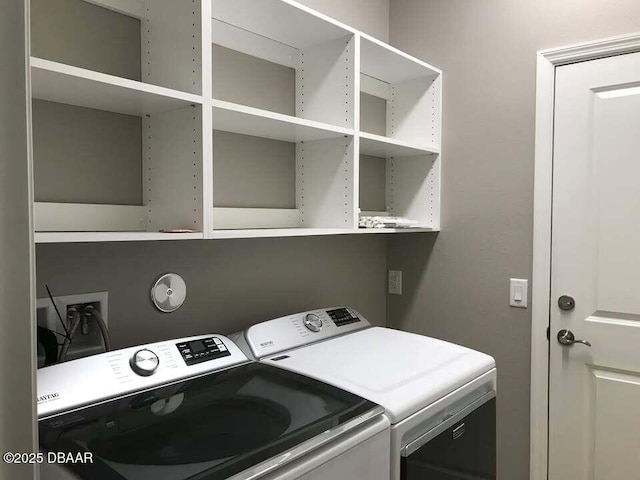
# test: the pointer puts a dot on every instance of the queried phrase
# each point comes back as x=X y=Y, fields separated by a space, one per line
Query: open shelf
x=405 y=186
x=290 y=24
x=281 y=57
x=99 y=171
x=70 y=85
x=397 y=230
x=279 y=232
x=379 y=146
x=86 y=237
x=231 y=117
x=310 y=232
x=267 y=183
x=400 y=99
x=390 y=65
x=158 y=42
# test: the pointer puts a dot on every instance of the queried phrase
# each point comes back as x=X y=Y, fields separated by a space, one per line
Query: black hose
x=101 y=325
x=75 y=321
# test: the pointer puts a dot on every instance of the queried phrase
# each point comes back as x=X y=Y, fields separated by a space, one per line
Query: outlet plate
x=82 y=344
x=395 y=282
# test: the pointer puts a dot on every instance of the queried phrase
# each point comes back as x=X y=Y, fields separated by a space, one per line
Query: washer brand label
x=49 y=397
x=267 y=344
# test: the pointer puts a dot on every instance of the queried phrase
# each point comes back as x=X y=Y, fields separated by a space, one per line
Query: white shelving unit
x=401 y=102
x=411 y=89
x=284 y=73
x=90 y=95
x=238 y=119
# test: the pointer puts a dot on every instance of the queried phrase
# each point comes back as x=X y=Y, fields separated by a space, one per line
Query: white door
x=594 y=417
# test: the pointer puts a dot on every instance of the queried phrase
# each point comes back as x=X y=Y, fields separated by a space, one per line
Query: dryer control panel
x=343 y=316
x=280 y=334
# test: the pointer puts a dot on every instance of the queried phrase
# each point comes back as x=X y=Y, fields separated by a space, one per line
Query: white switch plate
x=395 y=282
x=518 y=289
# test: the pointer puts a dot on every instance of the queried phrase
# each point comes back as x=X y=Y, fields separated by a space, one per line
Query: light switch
x=518 y=292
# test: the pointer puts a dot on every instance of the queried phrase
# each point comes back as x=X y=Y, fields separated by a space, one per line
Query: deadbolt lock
x=566 y=303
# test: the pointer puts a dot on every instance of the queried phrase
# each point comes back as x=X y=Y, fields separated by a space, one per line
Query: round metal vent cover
x=169 y=292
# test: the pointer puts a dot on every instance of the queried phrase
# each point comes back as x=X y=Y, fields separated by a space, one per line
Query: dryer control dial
x=144 y=362
x=313 y=322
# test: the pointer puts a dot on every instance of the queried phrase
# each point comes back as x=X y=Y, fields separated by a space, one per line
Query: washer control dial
x=313 y=322
x=144 y=362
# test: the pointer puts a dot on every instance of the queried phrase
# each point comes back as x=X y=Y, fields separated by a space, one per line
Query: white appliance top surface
x=401 y=371
x=89 y=380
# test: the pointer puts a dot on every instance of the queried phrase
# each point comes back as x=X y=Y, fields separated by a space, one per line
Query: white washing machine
x=197 y=408
x=439 y=397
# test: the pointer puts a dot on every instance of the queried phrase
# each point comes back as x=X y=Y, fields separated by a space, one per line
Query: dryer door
x=465 y=450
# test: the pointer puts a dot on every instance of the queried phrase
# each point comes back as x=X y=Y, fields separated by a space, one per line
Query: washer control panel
x=202 y=350
x=89 y=380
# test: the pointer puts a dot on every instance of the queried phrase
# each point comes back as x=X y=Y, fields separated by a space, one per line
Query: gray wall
x=373 y=178
x=101 y=151
x=456 y=283
x=373 y=114
x=241 y=181
x=248 y=80
x=87 y=36
x=17 y=389
x=232 y=283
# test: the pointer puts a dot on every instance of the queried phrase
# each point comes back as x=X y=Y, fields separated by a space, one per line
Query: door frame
x=547 y=62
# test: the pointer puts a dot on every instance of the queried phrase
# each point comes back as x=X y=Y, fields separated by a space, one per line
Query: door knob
x=567 y=338
x=565 y=302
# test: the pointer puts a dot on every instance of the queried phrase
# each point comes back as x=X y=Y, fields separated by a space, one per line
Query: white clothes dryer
x=439 y=397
